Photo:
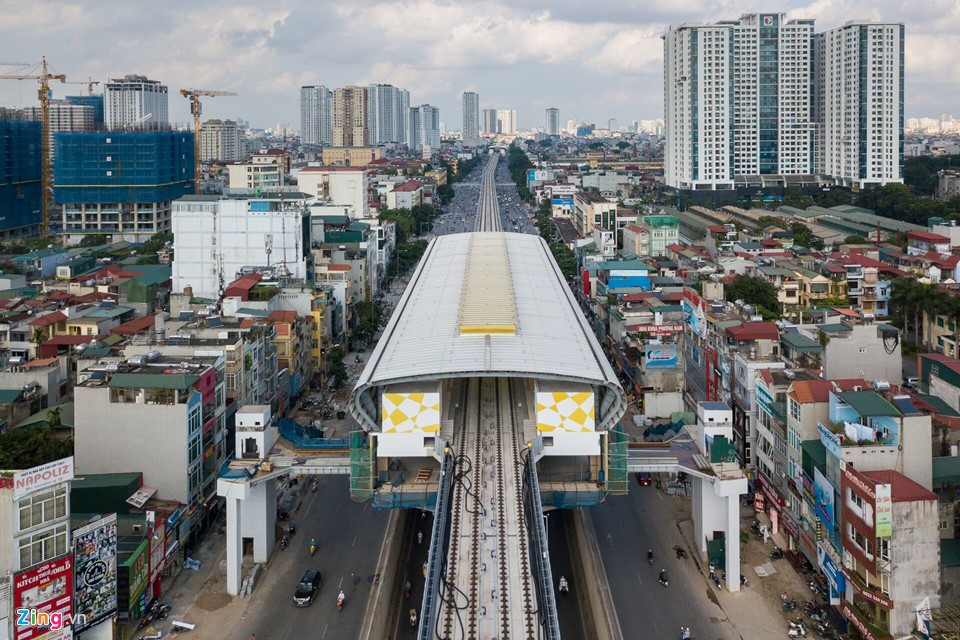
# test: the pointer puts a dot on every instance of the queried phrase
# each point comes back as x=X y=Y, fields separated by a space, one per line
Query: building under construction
x=120 y=183
x=20 y=178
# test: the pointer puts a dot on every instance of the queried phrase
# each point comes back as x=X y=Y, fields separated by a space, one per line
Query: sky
x=593 y=59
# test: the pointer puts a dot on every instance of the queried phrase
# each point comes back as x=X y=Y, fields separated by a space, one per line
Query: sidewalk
x=754 y=611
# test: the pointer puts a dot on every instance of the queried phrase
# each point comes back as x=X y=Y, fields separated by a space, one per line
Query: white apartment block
x=217 y=237
x=859 y=103
x=424 y=127
x=255 y=175
x=471 y=119
x=64 y=116
x=316 y=115
x=488 y=121
x=388 y=110
x=507 y=121
x=131 y=99
x=220 y=140
x=337 y=186
x=698 y=98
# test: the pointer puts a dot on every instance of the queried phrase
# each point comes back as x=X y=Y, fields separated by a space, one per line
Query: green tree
x=855 y=240
x=804 y=237
x=368 y=315
x=623 y=144
x=906 y=296
x=32 y=446
x=756 y=292
x=336 y=370
x=93 y=240
x=794 y=198
x=565 y=259
x=157 y=242
x=769 y=221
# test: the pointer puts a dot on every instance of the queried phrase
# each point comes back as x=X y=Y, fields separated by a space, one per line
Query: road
x=626 y=527
x=561 y=565
x=350 y=535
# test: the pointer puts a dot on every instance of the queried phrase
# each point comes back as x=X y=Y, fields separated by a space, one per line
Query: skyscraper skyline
x=553 y=121
x=471 y=118
x=388 y=109
x=507 y=121
x=316 y=115
x=489 y=121
x=350 y=117
x=133 y=99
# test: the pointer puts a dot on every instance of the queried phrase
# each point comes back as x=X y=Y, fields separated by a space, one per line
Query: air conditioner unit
x=137 y=528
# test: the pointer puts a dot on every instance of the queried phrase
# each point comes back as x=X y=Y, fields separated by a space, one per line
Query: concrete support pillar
x=698 y=513
x=234 y=545
x=732 y=531
x=260 y=520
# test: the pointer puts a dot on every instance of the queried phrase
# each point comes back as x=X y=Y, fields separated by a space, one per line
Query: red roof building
x=754 y=331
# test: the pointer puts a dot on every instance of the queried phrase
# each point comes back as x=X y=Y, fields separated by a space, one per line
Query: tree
x=768 y=221
x=157 y=242
x=855 y=240
x=94 y=240
x=623 y=144
x=756 y=292
x=794 y=198
x=368 y=315
x=565 y=259
x=32 y=446
x=906 y=296
x=804 y=237
x=336 y=370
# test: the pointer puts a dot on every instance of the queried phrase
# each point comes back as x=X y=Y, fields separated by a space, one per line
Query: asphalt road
x=561 y=565
x=626 y=527
x=350 y=535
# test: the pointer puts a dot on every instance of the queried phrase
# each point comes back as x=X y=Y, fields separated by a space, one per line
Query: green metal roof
x=9 y=395
x=111 y=340
x=800 y=342
x=104 y=480
x=946 y=470
x=815 y=452
x=949 y=553
x=835 y=328
x=942 y=408
x=176 y=381
x=97 y=352
x=42 y=417
x=868 y=403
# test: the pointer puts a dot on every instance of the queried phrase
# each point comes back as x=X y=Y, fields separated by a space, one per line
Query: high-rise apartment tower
x=471 y=118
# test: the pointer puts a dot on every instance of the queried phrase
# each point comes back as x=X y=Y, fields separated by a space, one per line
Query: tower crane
x=194 y=96
x=89 y=82
x=47 y=166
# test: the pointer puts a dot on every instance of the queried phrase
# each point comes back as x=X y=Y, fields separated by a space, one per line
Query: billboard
x=410 y=412
x=884 y=509
x=565 y=410
x=656 y=329
x=42 y=477
x=660 y=356
x=95 y=570
x=694 y=312
x=565 y=204
x=823 y=497
x=538 y=174
x=48 y=589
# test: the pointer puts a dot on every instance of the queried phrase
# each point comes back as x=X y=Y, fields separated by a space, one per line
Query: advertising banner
x=833 y=573
x=42 y=477
x=694 y=312
x=46 y=589
x=656 y=329
x=565 y=204
x=884 y=507
x=157 y=550
x=95 y=570
x=660 y=356
x=829 y=440
x=823 y=497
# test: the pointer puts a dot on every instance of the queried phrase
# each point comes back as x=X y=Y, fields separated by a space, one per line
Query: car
x=912 y=382
x=307 y=589
x=644 y=479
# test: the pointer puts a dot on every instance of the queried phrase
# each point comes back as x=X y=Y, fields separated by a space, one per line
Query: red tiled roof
x=951 y=363
x=634 y=228
x=338 y=267
x=928 y=236
x=754 y=331
x=134 y=326
x=637 y=297
x=805 y=391
x=286 y=315
x=409 y=186
x=48 y=319
x=40 y=362
x=333 y=168
x=771 y=243
x=69 y=340
x=717 y=228
x=766 y=376
x=902 y=488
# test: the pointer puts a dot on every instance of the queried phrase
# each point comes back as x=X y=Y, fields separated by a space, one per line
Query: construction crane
x=89 y=82
x=194 y=96
x=47 y=165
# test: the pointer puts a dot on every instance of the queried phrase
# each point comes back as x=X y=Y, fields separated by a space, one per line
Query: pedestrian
x=419 y=537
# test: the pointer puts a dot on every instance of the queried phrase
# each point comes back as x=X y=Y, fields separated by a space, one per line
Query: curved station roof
x=487 y=304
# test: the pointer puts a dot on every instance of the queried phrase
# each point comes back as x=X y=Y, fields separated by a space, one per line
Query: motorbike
x=786 y=603
x=743 y=581
x=413 y=617
x=716 y=580
x=685 y=633
x=314 y=486
x=283 y=543
x=796 y=630
x=564 y=586
x=681 y=553
x=340 y=600
x=663 y=578
x=650 y=558
x=164 y=610
x=776 y=554
x=291 y=528
x=812 y=586
x=406 y=589
x=313 y=546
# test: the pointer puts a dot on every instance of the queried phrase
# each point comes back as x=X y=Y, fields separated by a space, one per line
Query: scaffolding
x=363 y=465
x=21 y=192
x=617 y=481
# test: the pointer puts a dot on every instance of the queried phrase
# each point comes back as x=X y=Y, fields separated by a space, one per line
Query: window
x=43 y=546
x=42 y=507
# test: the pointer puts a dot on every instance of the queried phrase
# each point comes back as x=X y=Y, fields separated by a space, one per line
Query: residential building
x=860 y=349
x=351 y=156
x=64 y=117
x=95 y=102
x=488 y=122
x=388 y=110
x=471 y=119
x=338 y=186
x=220 y=140
x=753 y=346
x=921 y=242
x=506 y=121
x=134 y=100
x=120 y=183
x=948 y=184
x=294 y=340
x=405 y=195
x=553 y=122
x=253 y=176
x=37 y=547
x=858 y=81
x=350 y=117
x=590 y=209
x=162 y=415
x=716 y=129
x=424 y=127
x=264 y=231
x=20 y=178
x=316 y=115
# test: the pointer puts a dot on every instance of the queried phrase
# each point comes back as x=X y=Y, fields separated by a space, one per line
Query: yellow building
x=351 y=156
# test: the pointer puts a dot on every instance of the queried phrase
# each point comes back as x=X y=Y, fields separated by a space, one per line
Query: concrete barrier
x=599 y=613
x=380 y=612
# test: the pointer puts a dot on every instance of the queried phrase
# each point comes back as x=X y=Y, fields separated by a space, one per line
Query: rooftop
x=902 y=488
x=869 y=403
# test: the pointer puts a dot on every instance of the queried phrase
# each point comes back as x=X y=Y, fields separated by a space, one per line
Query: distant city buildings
x=388 y=110
x=471 y=119
x=488 y=122
x=316 y=115
x=220 y=140
x=506 y=121
x=350 y=117
x=553 y=122
x=425 y=127
x=757 y=112
x=20 y=172
x=64 y=117
x=135 y=99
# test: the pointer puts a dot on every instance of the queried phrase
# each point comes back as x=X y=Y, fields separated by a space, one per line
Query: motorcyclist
x=292 y=527
x=564 y=585
x=419 y=537
x=413 y=617
x=341 y=598
x=663 y=575
x=650 y=554
x=407 y=587
x=684 y=633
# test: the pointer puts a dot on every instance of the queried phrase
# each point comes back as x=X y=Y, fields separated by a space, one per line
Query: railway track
x=488 y=208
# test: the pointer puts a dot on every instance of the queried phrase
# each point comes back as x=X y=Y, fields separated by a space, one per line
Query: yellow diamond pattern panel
x=409 y=412
x=565 y=411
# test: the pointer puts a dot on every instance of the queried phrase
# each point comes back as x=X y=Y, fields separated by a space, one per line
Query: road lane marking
x=324 y=631
x=339 y=586
x=354 y=541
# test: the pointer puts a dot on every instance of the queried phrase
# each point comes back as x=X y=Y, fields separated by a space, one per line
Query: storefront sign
x=829 y=440
x=772 y=494
x=838 y=584
x=824 y=498
x=884 y=508
x=789 y=526
x=808 y=490
x=759 y=502
x=95 y=558
x=865 y=632
x=774 y=521
x=46 y=589
x=656 y=329
x=872 y=596
x=42 y=477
